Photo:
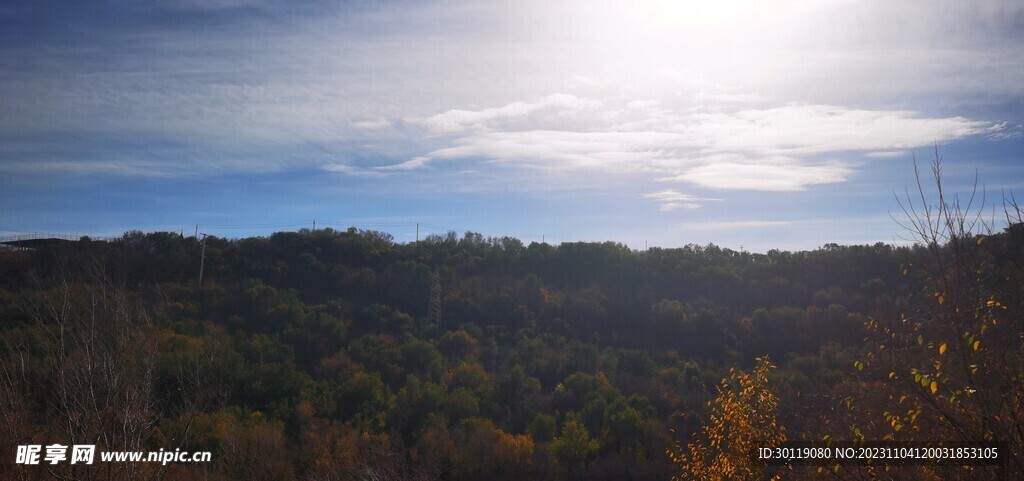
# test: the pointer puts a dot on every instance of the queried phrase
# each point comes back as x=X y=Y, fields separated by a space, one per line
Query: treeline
x=309 y=355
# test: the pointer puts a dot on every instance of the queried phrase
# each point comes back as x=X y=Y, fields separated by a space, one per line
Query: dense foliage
x=308 y=355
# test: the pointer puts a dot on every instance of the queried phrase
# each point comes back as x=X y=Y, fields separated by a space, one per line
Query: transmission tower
x=202 y=260
x=434 y=311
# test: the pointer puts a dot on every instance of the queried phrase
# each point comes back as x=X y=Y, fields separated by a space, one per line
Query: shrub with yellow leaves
x=741 y=419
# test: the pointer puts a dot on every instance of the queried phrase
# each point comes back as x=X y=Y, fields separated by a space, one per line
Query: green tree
x=574 y=447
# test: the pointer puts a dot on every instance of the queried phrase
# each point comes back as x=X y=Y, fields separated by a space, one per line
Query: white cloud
x=672 y=199
x=735 y=97
x=411 y=164
x=1005 y=131
x=735 y=225
x=766 y=149
x=776 y=175
x=885 y=154
x=372 y=124
x=554 y=109
x=351 y=170
x=810 y=129
x=90 y=167
x=649 y=94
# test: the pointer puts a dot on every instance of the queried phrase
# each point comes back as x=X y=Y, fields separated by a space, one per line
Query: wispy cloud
x=279 y=75
x=735 y=225
x=775 y=174
x=672 y=199
x=1005 y=131
x=352 y=170
x=90 y=167
x=550 y=111
x=766 y=149
x=563 y=103
x=885 y=154
x=411 y=164
x=375 y=124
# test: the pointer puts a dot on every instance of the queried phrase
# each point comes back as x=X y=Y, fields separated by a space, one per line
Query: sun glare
x=670 y=46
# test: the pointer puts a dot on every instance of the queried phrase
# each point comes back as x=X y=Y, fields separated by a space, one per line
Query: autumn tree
x=87 y=362
x=948 y=366
x=741 y=419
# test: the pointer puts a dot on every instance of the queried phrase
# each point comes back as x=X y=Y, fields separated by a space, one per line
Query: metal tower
x=434 y=311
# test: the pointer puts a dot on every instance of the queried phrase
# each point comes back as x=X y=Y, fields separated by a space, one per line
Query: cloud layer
x=579 y=105
x=671 y=200
x=776 y=148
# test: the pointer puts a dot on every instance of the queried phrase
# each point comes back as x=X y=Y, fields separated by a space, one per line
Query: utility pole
x=314 y=225
x=197 y=232
x=202 y=260
x=417 y=232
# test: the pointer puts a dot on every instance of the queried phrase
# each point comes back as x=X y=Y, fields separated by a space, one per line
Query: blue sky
x=777 y=124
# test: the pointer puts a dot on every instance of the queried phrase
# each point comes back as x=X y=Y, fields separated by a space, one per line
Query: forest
x=318 y=355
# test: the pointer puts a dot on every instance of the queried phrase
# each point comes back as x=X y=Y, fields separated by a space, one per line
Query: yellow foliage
x=742 y=419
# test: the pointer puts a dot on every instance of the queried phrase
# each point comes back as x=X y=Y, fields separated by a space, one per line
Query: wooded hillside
x=309 y=355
